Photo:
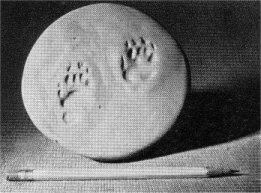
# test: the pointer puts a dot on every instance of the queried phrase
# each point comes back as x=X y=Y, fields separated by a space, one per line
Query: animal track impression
x=138 y=58
x=76 y=78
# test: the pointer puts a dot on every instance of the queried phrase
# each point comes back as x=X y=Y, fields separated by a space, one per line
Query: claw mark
x=59 y=91
x=142 y=40
x=129 y=53
x=80 y=76
x=86 y=82
x=126 y=43
x=68 y=68
x=124 y=74
x=62 y=102
x=79 y=65
x=122 y=63
x=87 y=70
x=66 y=78
x=64 y=114
x=74 y=76
x=138 y=50
x=150 y=57
x=151 y=44
x=123 y=68
x=133 y=42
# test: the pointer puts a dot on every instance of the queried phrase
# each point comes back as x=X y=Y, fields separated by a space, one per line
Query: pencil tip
x=222 y=172
x=234 y=171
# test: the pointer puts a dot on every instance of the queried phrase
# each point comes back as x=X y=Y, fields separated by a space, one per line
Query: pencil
x=69 y=174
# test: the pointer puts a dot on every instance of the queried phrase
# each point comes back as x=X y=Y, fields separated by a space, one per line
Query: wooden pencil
x=70 y=174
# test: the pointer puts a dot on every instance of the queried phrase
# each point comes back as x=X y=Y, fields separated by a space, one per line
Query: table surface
x=38 y=152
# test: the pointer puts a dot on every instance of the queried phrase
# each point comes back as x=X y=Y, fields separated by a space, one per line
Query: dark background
x=221 y=41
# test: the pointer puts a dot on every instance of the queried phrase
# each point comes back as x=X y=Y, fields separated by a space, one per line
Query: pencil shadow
x=228 y=175
x=207 y=118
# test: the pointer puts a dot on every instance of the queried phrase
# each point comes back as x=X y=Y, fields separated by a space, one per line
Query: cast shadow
x=207 y=118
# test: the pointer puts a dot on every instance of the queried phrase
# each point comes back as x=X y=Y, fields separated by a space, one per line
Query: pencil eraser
x=105 y=81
